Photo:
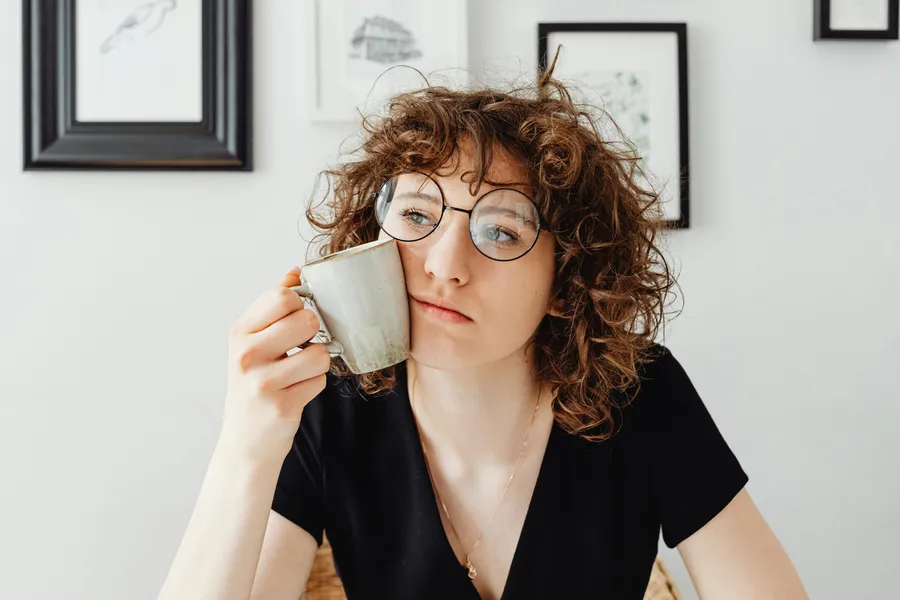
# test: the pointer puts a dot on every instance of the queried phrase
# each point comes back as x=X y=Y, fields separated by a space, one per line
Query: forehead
x=504 y=169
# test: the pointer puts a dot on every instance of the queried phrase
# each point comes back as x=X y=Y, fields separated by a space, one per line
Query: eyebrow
x=523 y=187
x=519 y=186
x=421 y=195
x=499 y=210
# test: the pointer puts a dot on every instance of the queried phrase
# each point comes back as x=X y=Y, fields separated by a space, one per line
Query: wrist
x=248 y=457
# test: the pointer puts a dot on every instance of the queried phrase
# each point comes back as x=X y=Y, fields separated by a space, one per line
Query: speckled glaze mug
x=360 y=297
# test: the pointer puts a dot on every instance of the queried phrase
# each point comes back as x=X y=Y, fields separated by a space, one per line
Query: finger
x=271 y=306
x=296 y=397
x=286 y=333
x=310 y=362
x=292 y=277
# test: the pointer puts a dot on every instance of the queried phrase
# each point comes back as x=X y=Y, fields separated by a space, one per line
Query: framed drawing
x=637 y=73
x=856 y=19
x=137 y=84
x=357 y=42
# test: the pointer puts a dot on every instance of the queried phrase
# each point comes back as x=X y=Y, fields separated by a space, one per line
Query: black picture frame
x=678 y=29
x=54 y=139
x=822 y=29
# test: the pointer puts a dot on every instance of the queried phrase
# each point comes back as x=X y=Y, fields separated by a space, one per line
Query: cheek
x=520 y=294
x=539 y=271
x=537 y=281
x=413 y=264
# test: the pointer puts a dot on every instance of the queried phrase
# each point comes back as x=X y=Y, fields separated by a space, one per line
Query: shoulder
x=659 y=367
x=661 y=380
x=664 y=399
x=694 y=471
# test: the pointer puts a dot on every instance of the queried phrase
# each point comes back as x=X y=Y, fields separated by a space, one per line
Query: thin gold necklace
x=468 y=555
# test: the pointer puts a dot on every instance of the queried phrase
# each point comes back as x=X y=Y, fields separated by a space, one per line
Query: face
x=466 y=309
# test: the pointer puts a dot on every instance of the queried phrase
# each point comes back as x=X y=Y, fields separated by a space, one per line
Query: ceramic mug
x=360 y=297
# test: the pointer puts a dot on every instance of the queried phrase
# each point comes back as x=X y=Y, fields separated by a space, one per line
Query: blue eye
x=497 y=235
x=415 y=217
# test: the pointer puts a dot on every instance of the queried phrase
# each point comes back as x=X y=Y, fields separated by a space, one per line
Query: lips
x=440 y=308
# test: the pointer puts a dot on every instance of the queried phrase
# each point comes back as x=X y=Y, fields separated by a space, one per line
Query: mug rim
x=348 y=252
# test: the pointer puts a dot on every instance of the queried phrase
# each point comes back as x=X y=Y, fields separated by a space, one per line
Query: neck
x=477 y=416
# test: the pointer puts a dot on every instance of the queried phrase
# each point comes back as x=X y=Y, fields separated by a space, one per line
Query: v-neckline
x=434 y=517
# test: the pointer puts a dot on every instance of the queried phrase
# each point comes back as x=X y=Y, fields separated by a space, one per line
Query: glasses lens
x=408 y=207
x=504 y=225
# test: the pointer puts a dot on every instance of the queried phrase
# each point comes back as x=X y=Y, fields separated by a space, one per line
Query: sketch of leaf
x=142 y=21
x=625 y=95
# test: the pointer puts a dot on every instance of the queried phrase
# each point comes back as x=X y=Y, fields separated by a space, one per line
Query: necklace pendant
x=472 y=572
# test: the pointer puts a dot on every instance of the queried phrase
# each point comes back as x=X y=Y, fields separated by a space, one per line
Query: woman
x=536 y=441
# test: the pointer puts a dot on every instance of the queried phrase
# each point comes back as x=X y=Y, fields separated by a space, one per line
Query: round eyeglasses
x=504 y=224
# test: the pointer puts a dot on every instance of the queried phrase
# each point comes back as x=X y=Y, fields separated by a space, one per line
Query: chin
x=437 y=350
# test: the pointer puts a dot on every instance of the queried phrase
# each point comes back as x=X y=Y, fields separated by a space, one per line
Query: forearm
x=737 y=557
x=218 y=556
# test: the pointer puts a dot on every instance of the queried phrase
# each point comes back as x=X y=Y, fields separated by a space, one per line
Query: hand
x=267 y=390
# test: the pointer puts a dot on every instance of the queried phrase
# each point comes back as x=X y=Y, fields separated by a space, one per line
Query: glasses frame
x=542 y=224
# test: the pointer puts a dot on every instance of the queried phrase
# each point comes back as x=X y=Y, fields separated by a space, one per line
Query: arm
x=228 y=536
x=288 y=553
x=268 y=391
x=219 y=551
x=737 y=557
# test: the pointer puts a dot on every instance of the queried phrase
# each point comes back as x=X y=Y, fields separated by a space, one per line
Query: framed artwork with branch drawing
x=137 y=84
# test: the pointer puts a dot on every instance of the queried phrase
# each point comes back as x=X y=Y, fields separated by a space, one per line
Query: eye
x=497 y=234
x=415 y=217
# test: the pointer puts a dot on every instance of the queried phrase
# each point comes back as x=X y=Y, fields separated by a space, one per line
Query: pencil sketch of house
x=384 y=41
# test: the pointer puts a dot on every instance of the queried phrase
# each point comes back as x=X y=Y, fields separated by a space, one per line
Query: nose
x=447 y=259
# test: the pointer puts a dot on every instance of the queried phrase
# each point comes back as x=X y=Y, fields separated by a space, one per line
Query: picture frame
x=637 y=73
x=856 y=20
x=138 y=84
x=356 y=46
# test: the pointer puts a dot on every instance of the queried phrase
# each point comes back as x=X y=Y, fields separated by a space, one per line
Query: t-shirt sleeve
x=299 y=493
x=695 y=473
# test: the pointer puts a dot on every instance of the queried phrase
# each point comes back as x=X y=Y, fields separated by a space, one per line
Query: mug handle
x=335 y=348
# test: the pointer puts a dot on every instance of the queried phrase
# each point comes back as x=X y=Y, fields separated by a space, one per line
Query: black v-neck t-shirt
x=357 y=471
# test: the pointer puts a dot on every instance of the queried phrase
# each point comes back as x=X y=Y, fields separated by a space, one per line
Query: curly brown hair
x=611 y=281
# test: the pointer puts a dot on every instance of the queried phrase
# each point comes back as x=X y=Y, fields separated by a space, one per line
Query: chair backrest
x=324 y=584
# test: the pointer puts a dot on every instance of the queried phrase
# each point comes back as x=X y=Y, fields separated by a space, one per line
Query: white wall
x=118 y=289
